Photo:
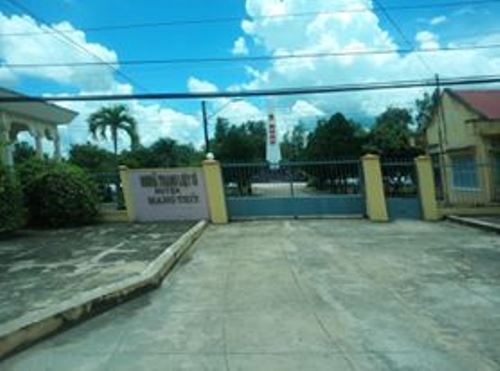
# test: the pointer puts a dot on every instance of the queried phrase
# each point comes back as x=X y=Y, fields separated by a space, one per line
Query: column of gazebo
x=5 y=141
x=38 y=135
x=57 y=145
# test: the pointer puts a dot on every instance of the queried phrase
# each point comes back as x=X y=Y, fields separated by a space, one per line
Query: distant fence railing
x=109 y=187
x=466 y=183
x=304 y=179
x=399 y=177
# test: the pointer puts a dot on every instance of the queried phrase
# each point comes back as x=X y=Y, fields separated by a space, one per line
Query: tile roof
x=484 y=102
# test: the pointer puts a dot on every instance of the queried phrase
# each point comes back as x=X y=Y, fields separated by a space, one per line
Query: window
x=464 y=169
x=496 y=161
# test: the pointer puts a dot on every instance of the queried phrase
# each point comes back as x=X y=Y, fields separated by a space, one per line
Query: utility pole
x=442 y=151
x=205 y=125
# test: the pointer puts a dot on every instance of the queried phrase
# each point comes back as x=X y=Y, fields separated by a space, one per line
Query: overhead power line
x=69 y=41
x=405 y=84
x=253 y=58
x=237 y=19
x=401 y=33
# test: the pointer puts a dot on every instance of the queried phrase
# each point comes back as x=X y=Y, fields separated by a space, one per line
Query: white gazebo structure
x=40 y=119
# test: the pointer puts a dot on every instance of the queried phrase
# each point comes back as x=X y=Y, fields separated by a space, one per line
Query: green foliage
x=12 y=211
x=391 y=135
x=425 y=107
x=294 y=144
x=29 y=170
x=92 y=158
x=334 y=138
x=23 y=152
x=242 y=143
x=164 y=153
x=114 y=118
x=62 y=196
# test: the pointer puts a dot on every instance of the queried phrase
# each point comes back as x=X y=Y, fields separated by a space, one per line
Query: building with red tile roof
x=463 y=137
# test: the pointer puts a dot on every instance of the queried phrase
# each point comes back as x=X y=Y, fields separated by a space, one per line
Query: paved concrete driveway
x=304 y=295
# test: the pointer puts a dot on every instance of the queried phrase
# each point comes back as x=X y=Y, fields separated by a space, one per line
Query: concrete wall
x=455 y=131
x=463 y=133
x=198 y=196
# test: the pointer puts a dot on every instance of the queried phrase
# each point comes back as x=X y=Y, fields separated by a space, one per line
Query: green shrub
x=30 y=169
x=62 y=196
x=11 y=202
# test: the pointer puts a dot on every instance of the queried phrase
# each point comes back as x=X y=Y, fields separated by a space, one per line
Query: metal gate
x=496 y=176
x=297 y=189
x=401 y=189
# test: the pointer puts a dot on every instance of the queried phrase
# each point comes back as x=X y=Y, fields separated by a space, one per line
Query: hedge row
x=46 y=194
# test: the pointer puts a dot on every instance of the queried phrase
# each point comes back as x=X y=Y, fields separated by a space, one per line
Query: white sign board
x=170 y=194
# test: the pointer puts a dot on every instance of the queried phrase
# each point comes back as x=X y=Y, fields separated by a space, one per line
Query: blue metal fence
x=401 y=188
x=461 y=180
x=294 y=189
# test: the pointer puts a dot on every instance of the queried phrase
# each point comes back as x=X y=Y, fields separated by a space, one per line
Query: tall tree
x=294 y=143
x=335 y=137
x=240 y=143
x=331 y=139
x=114 y=119
x=391 y=135
x=165 y=152
x=92 y=158
x=424 y=109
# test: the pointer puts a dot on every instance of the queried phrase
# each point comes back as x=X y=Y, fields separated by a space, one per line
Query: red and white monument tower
x=273 y=150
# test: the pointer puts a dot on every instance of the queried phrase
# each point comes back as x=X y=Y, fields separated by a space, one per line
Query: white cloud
x=47 y=48
x=240 y=47
x=328 y=32
x=237 y=111
x=196 y=85
x=438 y=20
x=154 y=120
x=304 y=109
x=427 y=40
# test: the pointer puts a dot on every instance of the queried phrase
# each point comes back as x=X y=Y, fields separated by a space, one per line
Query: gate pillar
x=427 y=188
x=215 y=192
x=376 y=207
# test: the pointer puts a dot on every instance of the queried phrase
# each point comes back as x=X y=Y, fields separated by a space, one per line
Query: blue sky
x=439 y=26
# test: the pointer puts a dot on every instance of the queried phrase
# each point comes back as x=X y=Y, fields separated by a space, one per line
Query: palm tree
x=114 y=118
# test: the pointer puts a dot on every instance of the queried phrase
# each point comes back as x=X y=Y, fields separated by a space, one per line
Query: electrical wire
x=401 y=33
x=238 y=19
x=69 y=41
x=253 y=58
x=405 y=84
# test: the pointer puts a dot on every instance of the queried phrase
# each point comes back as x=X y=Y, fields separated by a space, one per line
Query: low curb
x=472 y=222
x=22 y=332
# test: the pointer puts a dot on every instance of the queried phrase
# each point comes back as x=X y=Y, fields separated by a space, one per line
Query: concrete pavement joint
x=24 y=331
x=475 y=223
x=434 y=328
x=330 y=337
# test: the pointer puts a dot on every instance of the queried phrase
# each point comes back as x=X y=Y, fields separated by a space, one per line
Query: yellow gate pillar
x=127 y=192
x=215 y=191
x=376 y=207
x=427 y=188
